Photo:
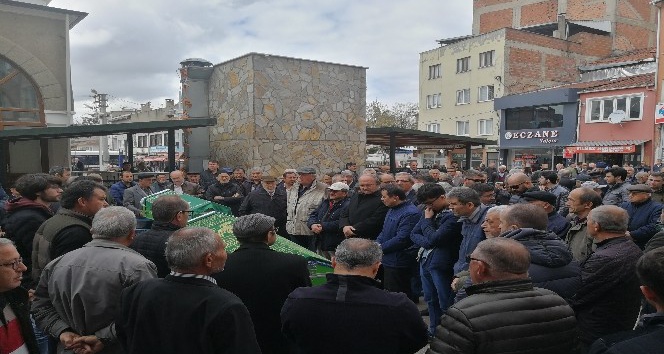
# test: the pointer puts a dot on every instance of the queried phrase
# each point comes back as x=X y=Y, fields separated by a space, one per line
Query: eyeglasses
x=185 y=211
x=275 y=230
x=14 y=264
x=478 y=180
x=516 y=186
x=470 y=258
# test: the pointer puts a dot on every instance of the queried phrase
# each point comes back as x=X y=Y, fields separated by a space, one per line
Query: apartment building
x=519 y=46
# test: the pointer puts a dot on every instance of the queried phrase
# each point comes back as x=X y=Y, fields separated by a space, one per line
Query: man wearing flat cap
x=268 y=200
x=262 y=278
x=303 y=199
x=556 y=222
x=132 y=196
x=643 y=214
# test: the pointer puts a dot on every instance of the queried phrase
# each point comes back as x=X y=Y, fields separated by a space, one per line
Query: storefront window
x=534 y=117
x=19 y=98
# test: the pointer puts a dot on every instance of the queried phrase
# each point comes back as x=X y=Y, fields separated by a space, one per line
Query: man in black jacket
x=26 y=213
x=349 y=314
x=324 y=221
x=225 y=193
x=262 y=278
x=17 y=335
x=648 y=337
x=270 y=201
x=186 y=312
x=210 y=175
x=365 y=214
x=504 y=297
x=170 y=213
x=608 y=299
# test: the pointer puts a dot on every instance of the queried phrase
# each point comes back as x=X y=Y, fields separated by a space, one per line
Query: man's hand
x=88 y=345
x=428 y=213
x=317 y=228
x=67 y=339
x=349 y=231
x=218 y=197
x=454 y=283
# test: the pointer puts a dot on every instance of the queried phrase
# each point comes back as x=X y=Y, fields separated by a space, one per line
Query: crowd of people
x=567 y=260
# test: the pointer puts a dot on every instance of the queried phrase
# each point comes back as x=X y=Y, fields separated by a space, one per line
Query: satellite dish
x=617 y=117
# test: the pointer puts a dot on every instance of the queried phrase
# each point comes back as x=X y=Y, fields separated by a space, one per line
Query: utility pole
x=101 y=101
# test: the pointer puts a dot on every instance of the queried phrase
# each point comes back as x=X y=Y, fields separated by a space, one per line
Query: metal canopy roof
x=412 y=137
x=395 y=137
x=76 y=131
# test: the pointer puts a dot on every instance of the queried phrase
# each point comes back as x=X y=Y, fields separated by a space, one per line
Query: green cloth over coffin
x=197 y=206
x=219 y=218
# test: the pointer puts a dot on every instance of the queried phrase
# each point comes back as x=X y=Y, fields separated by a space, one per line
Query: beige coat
x=300 y=208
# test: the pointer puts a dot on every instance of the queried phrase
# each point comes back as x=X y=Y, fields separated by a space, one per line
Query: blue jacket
x=440 y=236
x=558 y=224
x=117 y=191
x=328 y=218
x=643 y=218
x=471 y=230
x=394 y=239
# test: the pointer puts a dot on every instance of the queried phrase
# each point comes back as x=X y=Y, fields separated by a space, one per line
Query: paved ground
x=421 y=306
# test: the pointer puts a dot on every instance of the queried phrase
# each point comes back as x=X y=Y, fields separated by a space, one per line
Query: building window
x=463 y=128
x=463 y=96
x=434 y=71
x=433 y=101
x=20 y=101
x=433 y=127
x=485 y=127
x=534 y=117
x=485 y=93
x=463 y=65
x=486 y=58
x=599 y=109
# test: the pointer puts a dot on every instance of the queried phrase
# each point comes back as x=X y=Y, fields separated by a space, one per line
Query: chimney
x=562 y=26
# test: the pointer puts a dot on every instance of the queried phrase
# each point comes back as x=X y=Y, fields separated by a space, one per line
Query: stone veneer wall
x=276 y=113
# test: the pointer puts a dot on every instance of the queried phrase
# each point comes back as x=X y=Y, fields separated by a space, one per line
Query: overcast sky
x=131 y=49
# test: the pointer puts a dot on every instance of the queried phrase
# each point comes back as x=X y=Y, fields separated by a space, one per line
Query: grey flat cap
x=639 y=188
x=306 y=170
x=252 y=225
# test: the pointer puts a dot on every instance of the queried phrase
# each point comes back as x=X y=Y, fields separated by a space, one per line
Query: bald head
x=518 y=183
x=501 y=258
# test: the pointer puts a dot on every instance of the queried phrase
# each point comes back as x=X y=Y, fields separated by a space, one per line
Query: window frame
x=601 y=102
x=466 y=129
x=486 y=123
x=479 y=93
x=465 y=95
x=434 y=71
x=434 y=101
x=38 y=111
x=463 y=65
x=483 y=60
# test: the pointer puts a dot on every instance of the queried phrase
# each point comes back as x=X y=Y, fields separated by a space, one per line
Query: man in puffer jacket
x=503 y=312
x=552 y=265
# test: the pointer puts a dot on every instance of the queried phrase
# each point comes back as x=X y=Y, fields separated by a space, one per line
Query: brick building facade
x=534 y=44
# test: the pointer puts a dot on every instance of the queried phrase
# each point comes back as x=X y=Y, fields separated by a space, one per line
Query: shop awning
x=603 y=147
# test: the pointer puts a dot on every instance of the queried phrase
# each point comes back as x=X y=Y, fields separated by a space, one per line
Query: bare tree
x=400 y=115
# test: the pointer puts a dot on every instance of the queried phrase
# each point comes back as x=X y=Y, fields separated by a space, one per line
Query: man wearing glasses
x=502 y=297
x=16 y=328
x=406 y=181
x=517 y=184
x=170 y=213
